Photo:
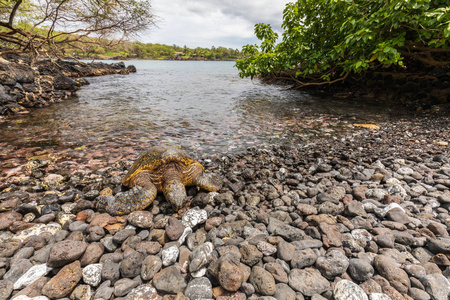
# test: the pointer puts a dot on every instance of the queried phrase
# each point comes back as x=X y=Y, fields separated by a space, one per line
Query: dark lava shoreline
x=362 y=216
x=28 y=83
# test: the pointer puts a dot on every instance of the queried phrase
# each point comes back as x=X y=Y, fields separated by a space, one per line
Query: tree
x=43 y=25
x=326 y=40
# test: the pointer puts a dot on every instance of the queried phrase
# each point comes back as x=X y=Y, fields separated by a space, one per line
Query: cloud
x=202 y=23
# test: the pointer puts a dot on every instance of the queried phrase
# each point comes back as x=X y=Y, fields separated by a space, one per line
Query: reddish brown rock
x=213 y=222
x=8 y=218
x=332 y=237
x=151 y=248
x=62 y=284
x=231 y=276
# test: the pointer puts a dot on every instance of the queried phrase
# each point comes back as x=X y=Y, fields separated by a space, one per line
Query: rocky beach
x=364 y=215
x=27 y=82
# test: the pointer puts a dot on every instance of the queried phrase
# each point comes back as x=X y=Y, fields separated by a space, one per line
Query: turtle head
x=175 y=193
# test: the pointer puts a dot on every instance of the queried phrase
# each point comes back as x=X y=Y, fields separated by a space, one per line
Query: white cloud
x=202 y=23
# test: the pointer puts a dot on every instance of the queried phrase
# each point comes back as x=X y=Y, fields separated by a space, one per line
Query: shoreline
x=25 y=83
x=291 y=222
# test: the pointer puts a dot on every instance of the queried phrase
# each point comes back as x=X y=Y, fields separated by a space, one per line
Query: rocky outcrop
x=25 y=83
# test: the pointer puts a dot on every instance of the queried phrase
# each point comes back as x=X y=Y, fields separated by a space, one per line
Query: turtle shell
x=157 y=157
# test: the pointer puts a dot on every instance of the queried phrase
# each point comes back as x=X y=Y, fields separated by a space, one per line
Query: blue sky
x=206 y=23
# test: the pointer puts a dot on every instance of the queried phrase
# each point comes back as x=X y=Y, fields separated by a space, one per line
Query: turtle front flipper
x=175 y=193
x=137 y=198
x=209 y=181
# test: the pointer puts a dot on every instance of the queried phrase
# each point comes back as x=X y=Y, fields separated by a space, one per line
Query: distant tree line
x=140 y=50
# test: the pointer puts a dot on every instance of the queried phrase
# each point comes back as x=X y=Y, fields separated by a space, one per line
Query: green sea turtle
x=159 y=169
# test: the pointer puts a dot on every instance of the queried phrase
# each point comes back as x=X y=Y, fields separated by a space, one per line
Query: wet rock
x=62 y=284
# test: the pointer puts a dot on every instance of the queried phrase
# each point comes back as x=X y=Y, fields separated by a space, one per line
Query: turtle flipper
x=209 y=181
x=175 y=193
x=137 y=198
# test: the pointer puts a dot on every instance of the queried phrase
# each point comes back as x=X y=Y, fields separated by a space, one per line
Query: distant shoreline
x=156 y=59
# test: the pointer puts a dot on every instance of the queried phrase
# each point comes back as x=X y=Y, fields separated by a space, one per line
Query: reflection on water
x=198 y=105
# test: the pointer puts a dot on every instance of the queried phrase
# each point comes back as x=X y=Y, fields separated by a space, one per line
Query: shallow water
x=196 y=105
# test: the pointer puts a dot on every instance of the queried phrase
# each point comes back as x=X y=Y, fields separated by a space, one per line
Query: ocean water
x=197 y=105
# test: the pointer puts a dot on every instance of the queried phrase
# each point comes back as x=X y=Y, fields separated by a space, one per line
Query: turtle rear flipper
x=209 y=181
x=138 y=198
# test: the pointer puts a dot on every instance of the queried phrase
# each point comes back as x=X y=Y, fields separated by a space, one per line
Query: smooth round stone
x=263 y=281
x=65 y=252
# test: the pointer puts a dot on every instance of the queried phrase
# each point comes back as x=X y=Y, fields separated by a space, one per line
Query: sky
x=207 y=23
